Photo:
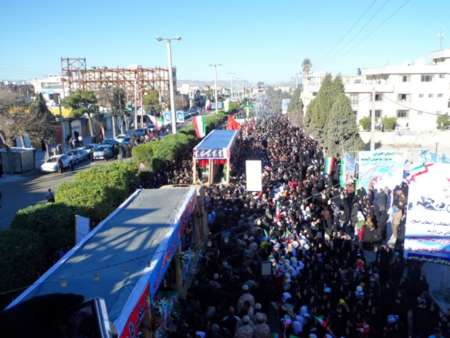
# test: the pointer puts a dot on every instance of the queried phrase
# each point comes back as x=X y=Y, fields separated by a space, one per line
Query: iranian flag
x=200 y=126
x=158 y=122
x=329 y=165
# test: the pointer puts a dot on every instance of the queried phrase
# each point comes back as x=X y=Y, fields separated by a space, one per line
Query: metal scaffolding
x=75 y=75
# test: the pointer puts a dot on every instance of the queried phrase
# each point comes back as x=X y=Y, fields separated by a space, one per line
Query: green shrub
x=53 y=223
x=365 y=123
x=443 y=122
x=389 y=123
x=21 y=261
x=96 y=192
x=158 y=154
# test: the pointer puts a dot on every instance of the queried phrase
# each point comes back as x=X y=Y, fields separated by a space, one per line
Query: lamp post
x=215 y=65
x=171 y=92
x=231 y=86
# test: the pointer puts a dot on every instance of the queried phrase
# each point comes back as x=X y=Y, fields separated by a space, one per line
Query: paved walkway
x=21 y=191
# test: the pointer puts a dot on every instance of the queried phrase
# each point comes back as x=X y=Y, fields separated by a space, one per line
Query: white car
x=56 y=163
x=123 y=139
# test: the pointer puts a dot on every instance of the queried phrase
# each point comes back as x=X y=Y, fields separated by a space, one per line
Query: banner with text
x=427 y=230
x=380 y=169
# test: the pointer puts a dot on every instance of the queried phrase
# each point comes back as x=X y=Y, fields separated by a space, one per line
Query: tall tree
x=18 y=118
x=274 y=98
x=181 y=102
x=295 y=108
x=83 y=102
x=199 y=100
x=320 y=107
x=42 y=120
x=342 y=133
x=151 y=102
x=118 y=107
x=306 y=66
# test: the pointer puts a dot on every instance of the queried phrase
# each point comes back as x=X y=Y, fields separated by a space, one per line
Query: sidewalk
x=5 y=179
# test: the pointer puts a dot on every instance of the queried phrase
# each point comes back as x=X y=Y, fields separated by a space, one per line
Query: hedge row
x=96 y=192
x=40 y=233
x=157 y=155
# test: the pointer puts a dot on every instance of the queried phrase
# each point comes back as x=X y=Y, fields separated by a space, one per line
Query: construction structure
x=135 y=80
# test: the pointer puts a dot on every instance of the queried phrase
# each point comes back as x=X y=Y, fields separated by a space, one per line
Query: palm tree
x=307 y=66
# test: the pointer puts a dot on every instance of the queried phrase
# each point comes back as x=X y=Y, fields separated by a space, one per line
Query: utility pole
x=215 y=65
x=135 y=103
x=171 y=90
x=441 y=37
x=231 y=86
x=372 y=120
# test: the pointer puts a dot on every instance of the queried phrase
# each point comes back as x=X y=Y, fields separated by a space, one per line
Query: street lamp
x=215 y=65
x=171 y=92
x=231 y=86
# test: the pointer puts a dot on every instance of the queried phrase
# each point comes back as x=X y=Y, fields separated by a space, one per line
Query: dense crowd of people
x=292 y=259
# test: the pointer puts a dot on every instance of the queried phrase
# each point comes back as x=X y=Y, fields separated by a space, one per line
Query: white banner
x=427 y=231
x=285 y=105
x=253 y=175
x=82 y=227
x=380 y=169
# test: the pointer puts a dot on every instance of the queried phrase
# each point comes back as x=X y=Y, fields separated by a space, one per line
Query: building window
x=442 y=76
x=420 y=95
x=440 y=95
x=378 y=97
x=426 y=78
x=403 y=97
x=378 y=113
x=402 y=114
x=405 y=78
x=354 y=99
x=430 y=95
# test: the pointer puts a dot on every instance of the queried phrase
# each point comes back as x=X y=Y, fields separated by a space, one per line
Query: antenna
x=441 y=37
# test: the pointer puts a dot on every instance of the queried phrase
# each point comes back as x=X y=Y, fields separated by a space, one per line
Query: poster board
x=427 y=229
x=347 y=170
x=253 y=174
x=285 y=105
x=380 y=169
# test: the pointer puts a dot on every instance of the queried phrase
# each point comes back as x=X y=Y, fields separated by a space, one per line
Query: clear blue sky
x=258 y=40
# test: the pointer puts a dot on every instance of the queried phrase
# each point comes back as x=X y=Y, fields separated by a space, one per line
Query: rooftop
x=120 y=252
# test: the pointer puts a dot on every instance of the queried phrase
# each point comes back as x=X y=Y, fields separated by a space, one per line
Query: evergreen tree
x=320 y=107
x=295 y=108
x=341 y=132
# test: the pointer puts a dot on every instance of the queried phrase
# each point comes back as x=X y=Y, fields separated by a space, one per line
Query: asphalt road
x=21 y=191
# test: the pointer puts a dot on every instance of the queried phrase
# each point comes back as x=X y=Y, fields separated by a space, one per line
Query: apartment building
x=415 y=93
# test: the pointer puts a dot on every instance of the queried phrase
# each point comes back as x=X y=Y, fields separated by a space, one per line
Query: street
x=21 y=191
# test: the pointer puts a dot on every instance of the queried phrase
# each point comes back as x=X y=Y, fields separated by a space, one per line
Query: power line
x=355 y=23
x=382 y=23
x=368 y=22
x=414 y=109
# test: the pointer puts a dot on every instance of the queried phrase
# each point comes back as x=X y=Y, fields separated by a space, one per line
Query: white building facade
x=414 y=93
x=51 y=88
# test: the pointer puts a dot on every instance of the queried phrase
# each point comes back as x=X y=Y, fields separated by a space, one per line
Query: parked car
x=89 y=149
x=123 y=139
x=110 y=141
x=139 y=132
x=83 y=154
x=57 y=163
x=103 y=152
x=74 y=157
